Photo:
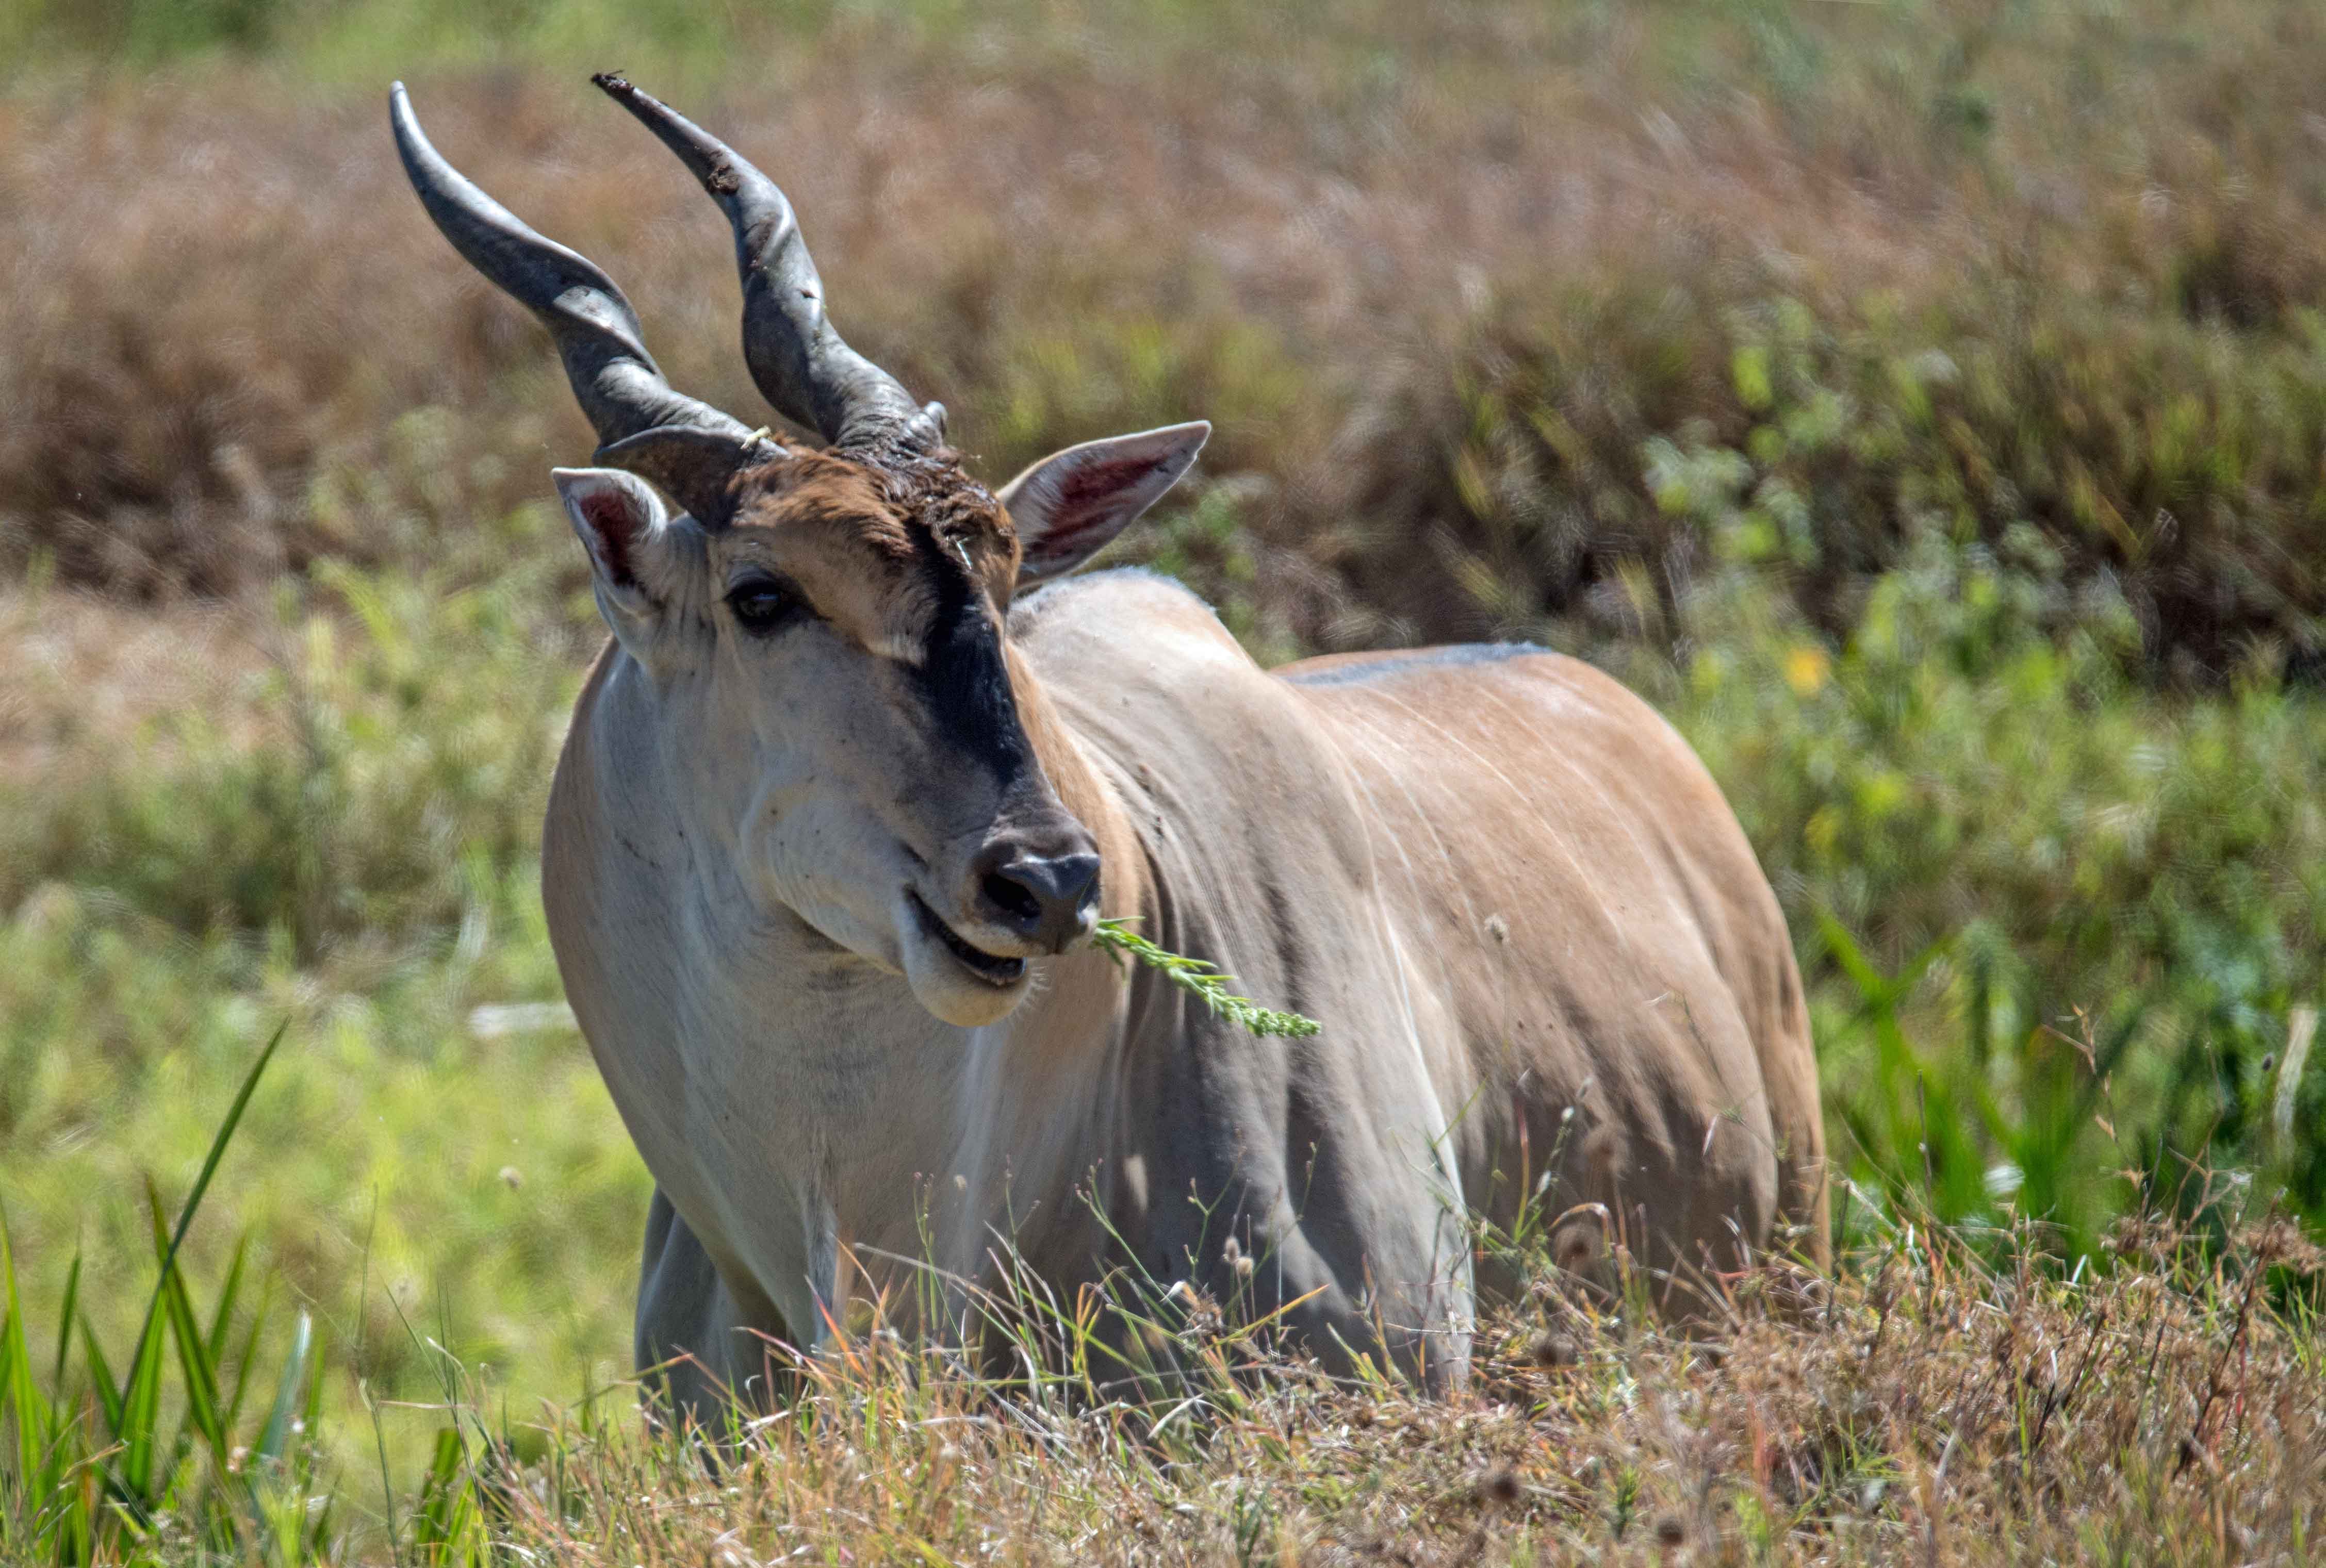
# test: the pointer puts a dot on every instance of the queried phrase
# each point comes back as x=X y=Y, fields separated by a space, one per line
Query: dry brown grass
x=1437 y=277
x=88 y=676
x=1927 y=1407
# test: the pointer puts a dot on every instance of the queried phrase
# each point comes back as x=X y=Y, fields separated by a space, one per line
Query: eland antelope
x=861 y=767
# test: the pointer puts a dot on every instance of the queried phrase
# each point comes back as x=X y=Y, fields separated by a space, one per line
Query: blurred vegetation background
x=1922 y=400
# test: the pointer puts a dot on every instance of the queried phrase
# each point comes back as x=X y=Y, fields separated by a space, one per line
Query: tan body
x=1502 y=883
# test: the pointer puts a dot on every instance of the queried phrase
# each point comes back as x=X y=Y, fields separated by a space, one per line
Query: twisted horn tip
x=713 y=161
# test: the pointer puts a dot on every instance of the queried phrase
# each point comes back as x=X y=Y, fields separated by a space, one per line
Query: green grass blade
x=247 y=1355
x=141 y=1414
x=7 y=1367
x=222 y=1314
x=24 y=1398
x=211 y=1162
x=64 y=1325
x=109 y=1391
x=277 y=1433
x=1846 y=954
x=193 y=1349
x=435 y=1525
x=303 y=1457
x=140 y=1403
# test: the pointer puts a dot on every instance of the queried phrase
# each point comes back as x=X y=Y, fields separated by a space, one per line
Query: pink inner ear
x=614 y=524
x=1091 y=494
x=1089 y=486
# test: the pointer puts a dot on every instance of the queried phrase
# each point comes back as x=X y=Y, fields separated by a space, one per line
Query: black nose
x=1045 y=898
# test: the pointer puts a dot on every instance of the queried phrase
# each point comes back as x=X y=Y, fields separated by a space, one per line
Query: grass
x=434 y=1180
x=1441 y=282
x=93 y=1474
x=2076 y=918
x=1202 y=981
x=1939 y=1396
x=1919 y=402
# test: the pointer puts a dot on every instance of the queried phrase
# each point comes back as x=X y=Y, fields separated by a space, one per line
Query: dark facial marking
x=963 y=674
x=931 y=520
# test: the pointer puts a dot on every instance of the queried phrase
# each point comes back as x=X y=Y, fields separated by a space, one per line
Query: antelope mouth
x=995 y=971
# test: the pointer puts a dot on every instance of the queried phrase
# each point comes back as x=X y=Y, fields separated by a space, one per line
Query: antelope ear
x=621 y=522
x=1070 y=505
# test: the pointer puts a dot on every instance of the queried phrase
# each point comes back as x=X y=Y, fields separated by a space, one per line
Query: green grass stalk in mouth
x=1202 y=980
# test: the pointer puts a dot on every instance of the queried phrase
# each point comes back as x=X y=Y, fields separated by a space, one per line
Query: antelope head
x=821 y=623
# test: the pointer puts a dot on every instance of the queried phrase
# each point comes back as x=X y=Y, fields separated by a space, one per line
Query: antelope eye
x=762 y=605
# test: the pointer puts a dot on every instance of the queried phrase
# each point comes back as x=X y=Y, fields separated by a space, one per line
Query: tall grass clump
x=97 y=1472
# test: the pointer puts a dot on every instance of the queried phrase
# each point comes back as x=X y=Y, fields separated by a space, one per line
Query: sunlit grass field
x=1923 y=403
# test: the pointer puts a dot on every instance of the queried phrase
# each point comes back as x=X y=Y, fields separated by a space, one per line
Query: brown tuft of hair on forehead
x=890 y=495
x=813 y=485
